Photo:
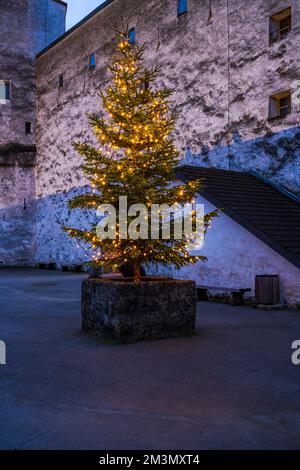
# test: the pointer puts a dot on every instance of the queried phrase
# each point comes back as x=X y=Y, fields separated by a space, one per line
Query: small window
x=280 y=24
x=28 y=128
x=4 y=90
x=92 y=61
x=280 y=105
x=61 y=80
x=182 y=7
x=131 y=36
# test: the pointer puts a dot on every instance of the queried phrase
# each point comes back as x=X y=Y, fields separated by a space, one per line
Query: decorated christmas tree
x=136 y=157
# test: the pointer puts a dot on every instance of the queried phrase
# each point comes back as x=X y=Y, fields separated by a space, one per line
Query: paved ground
x=231 y=386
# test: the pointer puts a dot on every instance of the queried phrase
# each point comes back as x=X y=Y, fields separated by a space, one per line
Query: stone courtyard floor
x=232 y=386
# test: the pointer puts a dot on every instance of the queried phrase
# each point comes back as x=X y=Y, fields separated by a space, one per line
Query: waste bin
x=267 y=289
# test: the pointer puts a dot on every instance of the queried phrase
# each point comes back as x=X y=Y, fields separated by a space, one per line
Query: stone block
x=128 y=311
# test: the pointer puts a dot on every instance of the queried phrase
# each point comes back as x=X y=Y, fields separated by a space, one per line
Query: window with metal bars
x=280 y=24
x=4 y=90
x=28 y=128
x=61 y=80
x=182 y=7
x=280 y=105
x=131 y=36
x=92 y=60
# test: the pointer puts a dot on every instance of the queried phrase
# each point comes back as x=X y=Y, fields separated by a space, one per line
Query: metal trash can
x=267 y=289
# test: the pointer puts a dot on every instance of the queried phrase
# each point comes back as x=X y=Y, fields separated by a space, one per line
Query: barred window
x=61 y=80
x=182 y=7
x=280 y=104
x=280 y=24
x=131 y=36
x=92 y=60
x=28 y=128
x=4 y=90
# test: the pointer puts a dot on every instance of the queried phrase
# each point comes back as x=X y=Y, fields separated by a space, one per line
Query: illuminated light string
x=140 y=128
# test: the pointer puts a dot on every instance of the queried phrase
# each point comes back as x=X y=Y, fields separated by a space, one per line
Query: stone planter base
x=120 y=309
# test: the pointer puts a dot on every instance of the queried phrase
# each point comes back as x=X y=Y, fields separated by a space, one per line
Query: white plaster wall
x=235 y=257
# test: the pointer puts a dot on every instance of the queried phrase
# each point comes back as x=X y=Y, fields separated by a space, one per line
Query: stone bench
x=237 y=294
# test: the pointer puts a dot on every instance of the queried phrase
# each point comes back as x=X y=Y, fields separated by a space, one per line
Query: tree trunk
x=137 y=272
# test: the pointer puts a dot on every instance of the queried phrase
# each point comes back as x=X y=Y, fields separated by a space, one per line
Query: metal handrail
x=278 y=33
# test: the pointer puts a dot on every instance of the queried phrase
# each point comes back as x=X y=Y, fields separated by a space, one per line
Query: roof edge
x=184 y=165
x=241 y=220
x=75 y=27
x=252 y=229
x=286 y=192
x=62 y=3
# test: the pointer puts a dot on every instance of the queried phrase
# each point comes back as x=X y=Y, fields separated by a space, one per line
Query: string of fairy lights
x=136 y=157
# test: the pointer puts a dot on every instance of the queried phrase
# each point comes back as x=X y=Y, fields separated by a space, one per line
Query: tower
x=26 y=27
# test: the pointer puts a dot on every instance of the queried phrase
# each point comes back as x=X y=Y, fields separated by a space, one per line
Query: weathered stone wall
x=26 y=26
x=129 y=311
x=17 y=207
x=223 y=71
x=16 y=65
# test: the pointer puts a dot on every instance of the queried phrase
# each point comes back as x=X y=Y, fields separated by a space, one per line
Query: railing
x=279 y=33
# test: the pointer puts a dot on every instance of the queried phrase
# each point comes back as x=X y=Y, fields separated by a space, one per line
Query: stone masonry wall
x=26 y=26
x=17 y=208
x=223 y=71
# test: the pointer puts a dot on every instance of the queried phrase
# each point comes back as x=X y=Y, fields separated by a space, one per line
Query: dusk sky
x=78 y=9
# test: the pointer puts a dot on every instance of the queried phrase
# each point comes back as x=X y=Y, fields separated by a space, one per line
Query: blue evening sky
x=78 y=9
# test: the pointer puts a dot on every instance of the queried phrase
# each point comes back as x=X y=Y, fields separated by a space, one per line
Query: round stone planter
x=123 y=310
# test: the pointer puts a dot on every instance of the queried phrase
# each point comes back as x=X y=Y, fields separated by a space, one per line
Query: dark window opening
x=280 y=24
x=182 y=7
x=28 y=128
x=92 y=61
x=61 y=80
x=131 y=36
x=280 y=105
x=4 y=90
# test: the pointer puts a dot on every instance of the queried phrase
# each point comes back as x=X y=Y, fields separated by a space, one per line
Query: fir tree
x=137 y=158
